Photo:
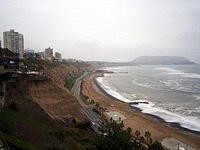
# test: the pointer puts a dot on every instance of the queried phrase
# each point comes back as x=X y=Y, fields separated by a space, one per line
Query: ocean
x=170 y=92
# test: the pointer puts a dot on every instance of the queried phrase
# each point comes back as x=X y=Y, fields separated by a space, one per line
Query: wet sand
x=135 y=119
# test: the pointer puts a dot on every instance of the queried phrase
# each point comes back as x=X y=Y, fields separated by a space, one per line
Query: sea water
x=172 y=92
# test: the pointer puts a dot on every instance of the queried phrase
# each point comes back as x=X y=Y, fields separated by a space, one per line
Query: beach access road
x=94 y=120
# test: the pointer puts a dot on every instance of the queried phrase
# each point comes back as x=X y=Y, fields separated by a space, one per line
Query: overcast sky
x=111 y=30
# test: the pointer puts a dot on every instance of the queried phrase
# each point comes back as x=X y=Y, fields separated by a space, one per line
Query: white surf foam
x=188 y=122
x=130 y=95
x=197 y=97
x=170 y=70
x=181 y=85
x=110 y=91
x=178 y=72
x=141 y=84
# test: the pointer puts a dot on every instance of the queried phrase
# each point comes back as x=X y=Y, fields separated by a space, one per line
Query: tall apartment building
x=58 y=56
x=14 y=41
x=49 y=54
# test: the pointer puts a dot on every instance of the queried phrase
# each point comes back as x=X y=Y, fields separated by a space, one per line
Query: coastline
x=173 y=125
x=138 y=120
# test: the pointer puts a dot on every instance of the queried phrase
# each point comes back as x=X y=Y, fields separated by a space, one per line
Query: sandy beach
x=135 y=119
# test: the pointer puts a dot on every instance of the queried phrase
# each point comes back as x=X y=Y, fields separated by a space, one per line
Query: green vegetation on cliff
x=25 y=125
x=70 y=82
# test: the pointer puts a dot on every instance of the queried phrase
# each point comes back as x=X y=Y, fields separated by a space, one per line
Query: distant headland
x=147 y=60
x=162 y=60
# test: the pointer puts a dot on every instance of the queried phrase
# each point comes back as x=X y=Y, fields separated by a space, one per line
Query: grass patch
x=35 y=124
x=19 y=144
x=19 y=129
x=26 y=127
x=70 y=82
x=7 y=120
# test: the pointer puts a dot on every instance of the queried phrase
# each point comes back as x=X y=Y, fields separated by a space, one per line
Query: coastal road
x=94 y=120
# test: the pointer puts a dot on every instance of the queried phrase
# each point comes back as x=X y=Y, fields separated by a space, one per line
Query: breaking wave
x=171 y=71
x=189 y=122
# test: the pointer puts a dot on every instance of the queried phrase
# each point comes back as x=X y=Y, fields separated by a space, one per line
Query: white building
x=14 y=41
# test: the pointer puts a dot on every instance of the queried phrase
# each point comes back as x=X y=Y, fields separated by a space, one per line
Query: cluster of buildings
x=14 y=41
x=48 y=55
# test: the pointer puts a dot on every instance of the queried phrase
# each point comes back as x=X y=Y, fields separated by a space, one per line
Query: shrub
x=156 y=146
x=14 y=106
x=6 y=121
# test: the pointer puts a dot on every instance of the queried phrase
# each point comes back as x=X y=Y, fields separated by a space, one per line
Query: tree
x=92 y=101
x=97 y=104
x=156 y=146
x=147 y=135
x=120 y=118
x=142 y=139
x=150 y=141
x=129 y=130
x=116 y=138
x=137 y=133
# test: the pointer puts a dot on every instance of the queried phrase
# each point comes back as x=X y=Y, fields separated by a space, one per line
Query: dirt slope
x=25 y=125
x=53 y=97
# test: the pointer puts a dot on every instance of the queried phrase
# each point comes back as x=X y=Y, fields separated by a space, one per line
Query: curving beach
x=135 y=119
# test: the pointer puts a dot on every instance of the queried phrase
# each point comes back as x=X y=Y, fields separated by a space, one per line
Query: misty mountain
x=162 y=60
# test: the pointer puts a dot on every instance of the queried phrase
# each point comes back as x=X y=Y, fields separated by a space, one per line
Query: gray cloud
x=113 y=30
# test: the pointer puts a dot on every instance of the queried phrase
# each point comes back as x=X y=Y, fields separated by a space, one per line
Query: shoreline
x=174 y=125
x=137 y=120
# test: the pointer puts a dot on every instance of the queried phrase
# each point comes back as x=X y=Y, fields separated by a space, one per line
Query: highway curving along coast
x=94 y=120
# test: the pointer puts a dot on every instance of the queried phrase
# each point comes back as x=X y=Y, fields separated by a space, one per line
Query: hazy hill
x=162 y=60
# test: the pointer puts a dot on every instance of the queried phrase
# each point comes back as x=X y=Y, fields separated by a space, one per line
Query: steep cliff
x=43 y=114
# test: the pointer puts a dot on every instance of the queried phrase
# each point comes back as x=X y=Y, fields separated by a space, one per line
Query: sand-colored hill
x=25 y=121
x=53 y=97
x=50 y=94
x=56 y=101
x=58 y=75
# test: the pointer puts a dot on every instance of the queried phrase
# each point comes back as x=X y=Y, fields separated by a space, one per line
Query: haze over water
x=173 y=92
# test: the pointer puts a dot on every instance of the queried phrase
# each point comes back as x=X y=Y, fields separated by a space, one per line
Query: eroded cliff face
x=50 y=94
x=39 y=111
x=53 y=97
x=56 y=101
x=58 y=75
